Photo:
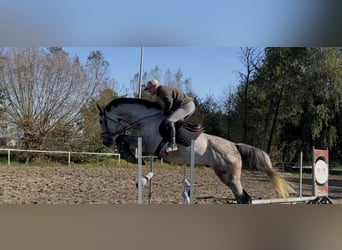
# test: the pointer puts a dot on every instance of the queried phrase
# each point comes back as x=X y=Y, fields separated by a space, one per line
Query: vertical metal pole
x=139 y=170
x=313 y=172
x=9 y=157
x=140 y=71
x=69 y=158
x=150 y=182
x=192 y=171
x=301 y=174
x=186 y=187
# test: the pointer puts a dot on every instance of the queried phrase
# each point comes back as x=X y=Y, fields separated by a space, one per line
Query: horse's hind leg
x=244 y=198
x=232 y=180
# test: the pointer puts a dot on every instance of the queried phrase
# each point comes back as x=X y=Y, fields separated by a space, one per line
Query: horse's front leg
x=124 y=144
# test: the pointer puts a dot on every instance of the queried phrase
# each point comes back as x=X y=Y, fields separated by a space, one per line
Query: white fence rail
x=69 y=153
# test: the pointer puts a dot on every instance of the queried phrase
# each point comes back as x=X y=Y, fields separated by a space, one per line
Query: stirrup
x=171 y=147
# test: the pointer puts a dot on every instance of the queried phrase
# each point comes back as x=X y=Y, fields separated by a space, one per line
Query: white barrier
x=9 y=150
x=287 y=200
x=139 y=170
x=188 y=192
x=143 y=180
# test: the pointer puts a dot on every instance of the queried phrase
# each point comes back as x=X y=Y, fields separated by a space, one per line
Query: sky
x=168 y=23
x=213 y=71
x=202 y=38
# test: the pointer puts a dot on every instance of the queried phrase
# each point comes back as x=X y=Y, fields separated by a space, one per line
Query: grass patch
x=92 y=162
x=335 y=170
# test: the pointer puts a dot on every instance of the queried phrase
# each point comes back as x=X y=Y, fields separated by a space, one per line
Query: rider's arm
x=166 y=97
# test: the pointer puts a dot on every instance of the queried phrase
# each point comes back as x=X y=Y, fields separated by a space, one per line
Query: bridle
x=123 y=129
x=105 y=120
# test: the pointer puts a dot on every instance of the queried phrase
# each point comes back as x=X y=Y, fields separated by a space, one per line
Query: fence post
x=301 y=174
x=9 y=157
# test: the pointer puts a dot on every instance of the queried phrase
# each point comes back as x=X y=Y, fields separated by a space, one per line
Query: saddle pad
x=185 y=136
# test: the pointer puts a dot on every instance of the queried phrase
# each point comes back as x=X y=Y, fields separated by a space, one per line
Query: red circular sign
x=321 y=171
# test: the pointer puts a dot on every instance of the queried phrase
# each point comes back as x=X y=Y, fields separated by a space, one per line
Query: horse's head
x=109 y=126
x=123 y=114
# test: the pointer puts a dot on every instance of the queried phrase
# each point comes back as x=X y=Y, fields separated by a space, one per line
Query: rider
x=177 y=106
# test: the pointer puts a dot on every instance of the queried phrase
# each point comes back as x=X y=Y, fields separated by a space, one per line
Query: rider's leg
x=172 y=146
x=185 y=111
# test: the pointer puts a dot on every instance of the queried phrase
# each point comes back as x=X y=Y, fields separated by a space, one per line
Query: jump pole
x=140 y=170
x=301 y=175
x=143 y=180
x=287 y=200
x=149 y=178
x=188 y=192
x=192 y=171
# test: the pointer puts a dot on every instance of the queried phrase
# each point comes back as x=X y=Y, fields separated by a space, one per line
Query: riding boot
x=172 y=146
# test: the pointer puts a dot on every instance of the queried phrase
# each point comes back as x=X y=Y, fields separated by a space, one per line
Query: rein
x=124 y=129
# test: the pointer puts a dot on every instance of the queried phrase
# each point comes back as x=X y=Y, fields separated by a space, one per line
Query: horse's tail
x=255 y=159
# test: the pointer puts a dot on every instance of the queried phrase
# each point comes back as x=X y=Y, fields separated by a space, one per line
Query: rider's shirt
x=173 y=98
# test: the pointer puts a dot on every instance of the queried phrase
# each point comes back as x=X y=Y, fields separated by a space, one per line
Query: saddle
x=186 y=131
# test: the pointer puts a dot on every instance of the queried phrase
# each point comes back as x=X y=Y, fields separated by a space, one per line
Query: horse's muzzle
x=107 y=141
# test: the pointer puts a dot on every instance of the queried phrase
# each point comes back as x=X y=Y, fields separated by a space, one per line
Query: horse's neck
x=134 y=113
x=145 y=123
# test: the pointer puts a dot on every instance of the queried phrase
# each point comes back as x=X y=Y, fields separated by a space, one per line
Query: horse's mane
x=118 y=101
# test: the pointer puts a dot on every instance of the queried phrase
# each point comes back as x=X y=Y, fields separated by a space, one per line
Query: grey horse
x=143 y=118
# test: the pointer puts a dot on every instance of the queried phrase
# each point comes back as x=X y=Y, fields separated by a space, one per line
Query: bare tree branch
x=45 y=90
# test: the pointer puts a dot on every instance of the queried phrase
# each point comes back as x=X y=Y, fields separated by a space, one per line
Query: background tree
x=45 y=90
x=285 y=103
x=212 y=117
x=89 y=128
x=168 y=78
x=250 y=58
x=295 y=101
